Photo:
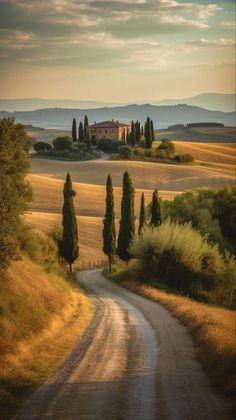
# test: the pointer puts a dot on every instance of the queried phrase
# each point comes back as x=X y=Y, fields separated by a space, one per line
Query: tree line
x=120 y=245
x=113 y=245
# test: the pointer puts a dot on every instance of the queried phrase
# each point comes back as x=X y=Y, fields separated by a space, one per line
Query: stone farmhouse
x=108 y=130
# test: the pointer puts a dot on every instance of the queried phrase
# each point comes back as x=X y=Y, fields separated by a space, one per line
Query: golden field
x=42 y=317
x=145 y=175
x=90 y=234
x=89 y=178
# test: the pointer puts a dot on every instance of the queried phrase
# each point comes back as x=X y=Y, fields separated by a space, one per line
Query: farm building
x=114 y=130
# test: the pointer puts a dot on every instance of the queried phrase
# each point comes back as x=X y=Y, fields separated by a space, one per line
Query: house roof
x=108 y=124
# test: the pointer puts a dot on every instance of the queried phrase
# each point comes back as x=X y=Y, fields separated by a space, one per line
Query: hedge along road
x=135 y=361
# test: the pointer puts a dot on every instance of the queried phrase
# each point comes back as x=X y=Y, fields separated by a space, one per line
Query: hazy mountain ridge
x=162 y=116
x=32 y=104
x=212 y=101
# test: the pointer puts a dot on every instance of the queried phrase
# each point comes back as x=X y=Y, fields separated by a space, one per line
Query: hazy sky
x=118 y=50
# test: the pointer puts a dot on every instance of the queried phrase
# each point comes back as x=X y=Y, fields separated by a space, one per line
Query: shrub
x=142 y=143
x=126 y=152
x=40 y=248
x=162 y=154
x=62 y=143
x=183 y=259
x=41 y=145
x=187 y=158
x=213 y=213
x=167 y=146
x=109 y=145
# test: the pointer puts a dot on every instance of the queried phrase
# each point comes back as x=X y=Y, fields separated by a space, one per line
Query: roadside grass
x=212 y=328
x=41 y=317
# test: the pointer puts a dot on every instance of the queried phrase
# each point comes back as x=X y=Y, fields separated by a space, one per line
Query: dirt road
x=135 y=361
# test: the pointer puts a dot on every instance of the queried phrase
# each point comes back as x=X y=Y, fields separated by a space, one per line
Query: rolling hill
x=162 y=116
x=214 y=101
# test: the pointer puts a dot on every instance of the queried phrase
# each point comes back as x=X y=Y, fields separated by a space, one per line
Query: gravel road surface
x=134 y=362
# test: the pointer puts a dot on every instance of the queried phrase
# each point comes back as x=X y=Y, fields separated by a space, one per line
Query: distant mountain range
x=32 y=104
x=212 y=101
x=162 y=116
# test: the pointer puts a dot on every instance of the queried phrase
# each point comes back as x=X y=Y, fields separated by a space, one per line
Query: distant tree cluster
x=127 y=221
x=15 y=191
x=137 y=132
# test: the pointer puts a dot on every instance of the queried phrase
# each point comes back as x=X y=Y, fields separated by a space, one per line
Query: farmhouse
x=114 y=130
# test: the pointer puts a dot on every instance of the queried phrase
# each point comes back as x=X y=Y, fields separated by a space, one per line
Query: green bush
x=42 y=145
x=126 y=152
x=62 y=143
x=179 y=256
x=109 y=145
x=167 y=147
x=213 y=213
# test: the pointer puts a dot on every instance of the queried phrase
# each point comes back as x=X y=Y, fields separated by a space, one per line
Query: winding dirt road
x=135 y=361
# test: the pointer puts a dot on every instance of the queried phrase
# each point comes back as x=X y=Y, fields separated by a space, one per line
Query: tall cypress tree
x=86 y=123
x=148 y=133
x=127 y=222
x=132 y=135
x=88 y=143
x=74 y=131
x=137 y=131
x=81 y=132
x=155 y=210
x=70 y=247
x=152 y=131
x=109 y=229
x=142 y=215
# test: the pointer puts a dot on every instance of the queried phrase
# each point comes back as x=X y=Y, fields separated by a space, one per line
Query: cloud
x=229 y=24
x=222 y=42
x=180 y=20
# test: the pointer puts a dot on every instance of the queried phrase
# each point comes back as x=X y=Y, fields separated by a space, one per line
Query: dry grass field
x=89 y=178
x=42 y=315
x=89 y=201
x=145 y=175
x=48 y=134
x=90 y=233
x=200 y=134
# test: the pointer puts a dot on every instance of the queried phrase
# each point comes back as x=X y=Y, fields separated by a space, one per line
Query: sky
x=118 y=51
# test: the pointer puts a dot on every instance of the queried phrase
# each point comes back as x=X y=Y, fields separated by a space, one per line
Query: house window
x=105 y=131
x=100 y=131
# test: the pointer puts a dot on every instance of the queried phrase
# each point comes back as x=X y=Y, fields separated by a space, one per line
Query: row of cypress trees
x=127 y=221
x=81 y=136
x=137 y=131
x=69 y=248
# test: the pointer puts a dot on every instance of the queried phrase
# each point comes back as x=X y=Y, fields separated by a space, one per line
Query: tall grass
x=179 y=256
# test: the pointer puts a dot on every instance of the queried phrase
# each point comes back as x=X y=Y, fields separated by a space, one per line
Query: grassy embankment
x=42 y=316
x=212 y=328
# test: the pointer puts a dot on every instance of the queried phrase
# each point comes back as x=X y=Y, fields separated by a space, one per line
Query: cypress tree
x=137 y=131
x=155 y=210
x=148 y=133
x=109 y=229
x=70 y=247
x=152 y=131
x=81 y=132
x=127 y=222
x=142 y=215
x=88 y=143
x=86 y=123
x=142 y=131
x=132 y=135
x=74 y=131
